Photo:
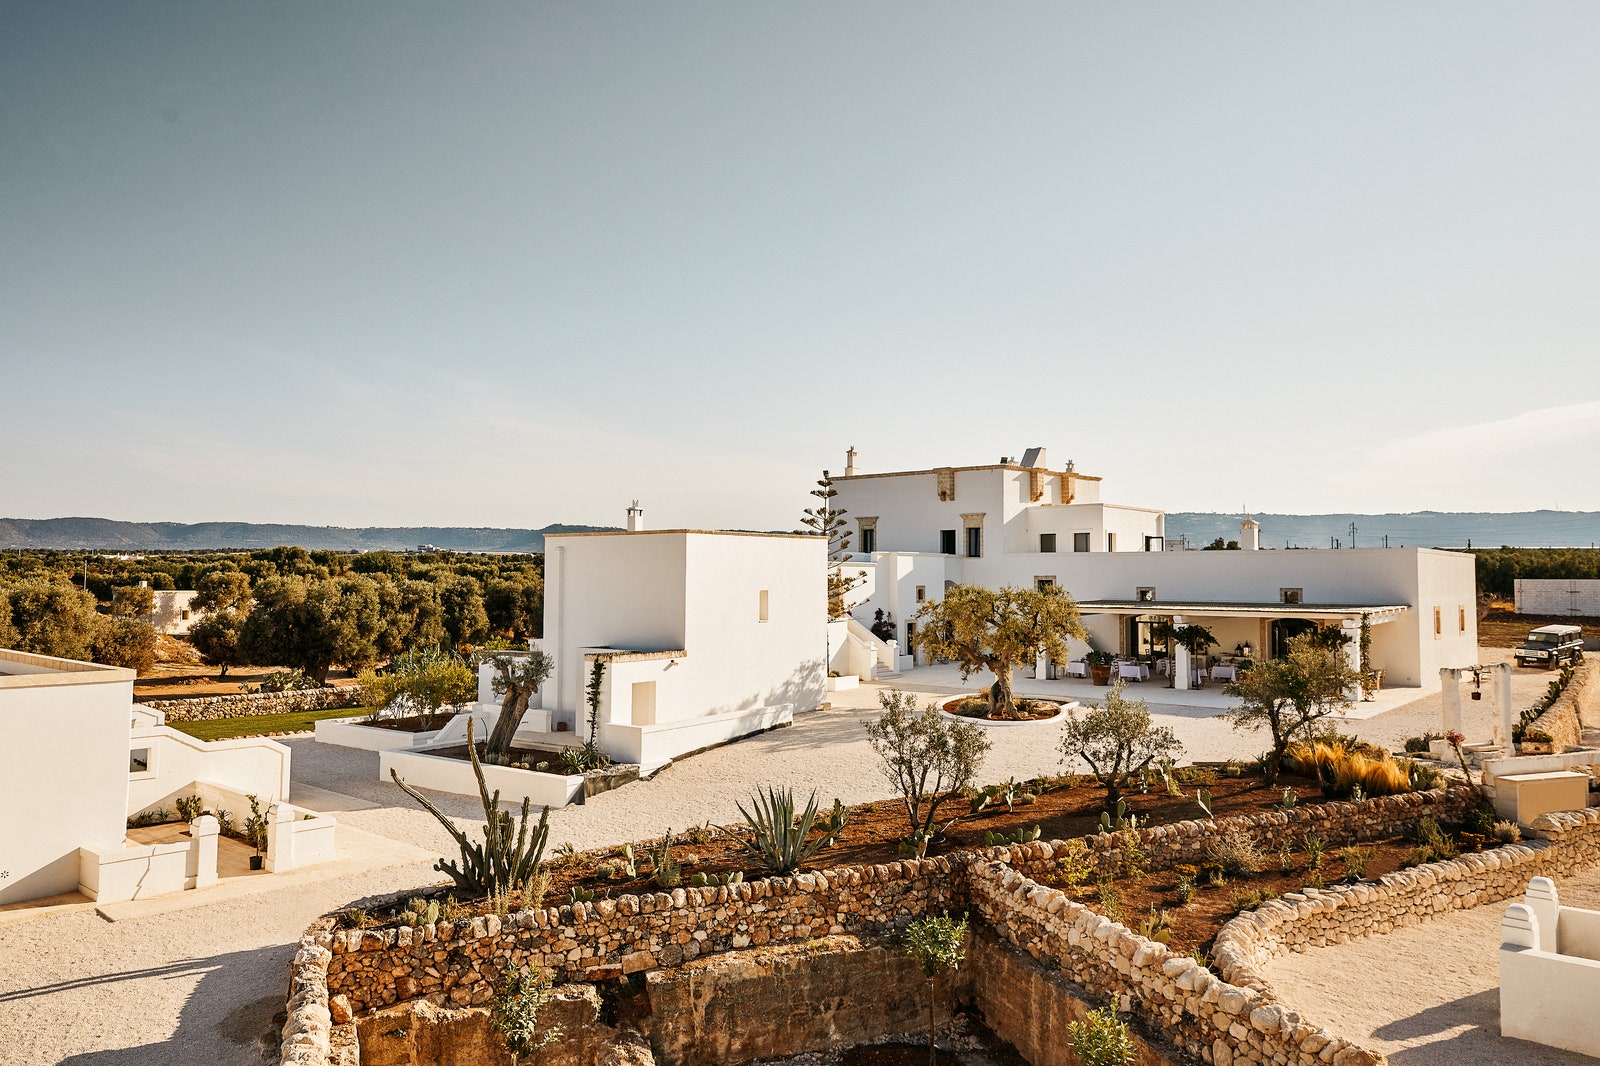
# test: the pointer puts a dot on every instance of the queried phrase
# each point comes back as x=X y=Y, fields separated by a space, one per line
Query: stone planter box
x=420 y=768
x=1000 y=723
x=359 y=733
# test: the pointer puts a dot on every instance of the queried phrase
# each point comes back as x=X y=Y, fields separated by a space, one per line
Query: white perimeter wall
x=1558 y=596
x=65 y=783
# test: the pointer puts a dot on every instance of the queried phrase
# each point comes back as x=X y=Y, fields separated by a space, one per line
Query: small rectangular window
x=1042 y=583
x=975 y=542
x=922 y=593
x=764 y=605
x=1291 y=595
x=1047 y=543
x=911 y=635
x=186 y=618
x=1438 y=622
x=947 y=541
x=1461 y=619
x=1080 y=542
x=869 y=540
x=1146 y=595
x=139 y=761
x=1111 y=542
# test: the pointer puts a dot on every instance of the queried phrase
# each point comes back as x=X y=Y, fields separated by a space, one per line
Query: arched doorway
x=1284 y=630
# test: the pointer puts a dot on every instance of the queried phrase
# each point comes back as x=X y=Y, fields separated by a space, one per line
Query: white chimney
x=850 y=463
x=1250 y=535
x=635 y=517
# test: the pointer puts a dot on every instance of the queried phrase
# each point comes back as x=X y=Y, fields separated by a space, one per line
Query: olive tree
x=53 y=617
x=216 y=637
x=997 y=630
x=423 y=681
x=517 y=676
x=1287 y=696
x=939 y=944
x=924 y=756
x=1117 y=741
x=125 y=642
x=132 y=601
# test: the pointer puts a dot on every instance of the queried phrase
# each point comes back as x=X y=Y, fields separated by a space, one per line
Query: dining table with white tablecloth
x=1225 y=672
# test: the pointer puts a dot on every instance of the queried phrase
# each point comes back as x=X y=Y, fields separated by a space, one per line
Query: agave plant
x=777 y=838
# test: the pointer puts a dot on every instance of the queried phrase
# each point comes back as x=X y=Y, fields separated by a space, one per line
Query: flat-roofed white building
x=704 y=636
x=1019 y=523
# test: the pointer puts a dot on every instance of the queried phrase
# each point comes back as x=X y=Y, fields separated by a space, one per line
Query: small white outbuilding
x=703 y=636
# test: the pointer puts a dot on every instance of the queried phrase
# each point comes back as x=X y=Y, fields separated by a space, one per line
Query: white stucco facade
x=705 y=636
x=86 y=758
x=66 y=780
x=172 y=612
x=1420 y=602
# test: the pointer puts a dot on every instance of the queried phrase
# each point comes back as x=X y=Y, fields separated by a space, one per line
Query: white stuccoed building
x=1020 y=523
x=705 y=636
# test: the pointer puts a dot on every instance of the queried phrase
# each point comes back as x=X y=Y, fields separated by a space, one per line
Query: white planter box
x=843 y=683
x=419 y=769
x=357 y=733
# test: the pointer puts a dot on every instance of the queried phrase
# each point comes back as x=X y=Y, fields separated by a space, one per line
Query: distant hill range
x=1424 y=529
x=104 y=534
x=1428 y=529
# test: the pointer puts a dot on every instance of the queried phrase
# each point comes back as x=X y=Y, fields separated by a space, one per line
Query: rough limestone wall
x=423 y=1034
x=1566 y=842
x=249 y=704
x=462 y=962
x=1577 y=706
x=1204 y=1015
x=1338 y=823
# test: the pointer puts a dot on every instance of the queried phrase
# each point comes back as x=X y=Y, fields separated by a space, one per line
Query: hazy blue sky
x=508 y=264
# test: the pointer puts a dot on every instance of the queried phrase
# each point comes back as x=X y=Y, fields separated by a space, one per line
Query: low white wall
x=422 y=770
x=138 y=871
x=177 y=761
x=297 y=837
x=652 y=747
x=1557 y=596
x=1545 y=998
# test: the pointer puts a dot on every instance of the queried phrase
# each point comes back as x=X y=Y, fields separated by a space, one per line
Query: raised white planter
x=843 y=683
x=419 y=769
x=1005 y=723
x=357 y=733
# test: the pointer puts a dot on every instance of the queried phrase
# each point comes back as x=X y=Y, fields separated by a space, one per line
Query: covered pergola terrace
x=1243 y=630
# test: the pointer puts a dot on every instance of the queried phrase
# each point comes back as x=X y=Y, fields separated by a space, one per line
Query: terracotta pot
x=1100 y=675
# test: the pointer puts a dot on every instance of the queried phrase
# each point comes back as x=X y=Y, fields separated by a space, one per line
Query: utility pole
x=1352 y=534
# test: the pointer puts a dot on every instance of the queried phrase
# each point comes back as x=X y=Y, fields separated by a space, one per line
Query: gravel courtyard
x=201 y=982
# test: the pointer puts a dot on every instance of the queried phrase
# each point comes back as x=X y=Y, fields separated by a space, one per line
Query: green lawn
x=256 y=725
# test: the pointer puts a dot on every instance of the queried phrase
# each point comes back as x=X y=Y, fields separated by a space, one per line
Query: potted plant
x=1099 y=666
x=255 y=832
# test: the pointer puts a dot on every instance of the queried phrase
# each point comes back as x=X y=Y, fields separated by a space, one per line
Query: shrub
x=1075 y=864
x=1118 y=741
x=1235 y=852
x=1110 y=900
x=1507 y=832
x=514 y=1014
x=665 y=872
x=777 y=839
x=1157 y=926
x=1343 y=767
x=1356 y=860
x=189 y=807
x=1100 y=1038
x=1418 y=745
x=1184 y=888
x=925 y=757
x=1432 y=845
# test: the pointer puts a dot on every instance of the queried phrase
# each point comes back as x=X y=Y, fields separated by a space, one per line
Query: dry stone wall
x=249 y=704
x=1227 y=1016
x=462 y=962
x=1577 y=706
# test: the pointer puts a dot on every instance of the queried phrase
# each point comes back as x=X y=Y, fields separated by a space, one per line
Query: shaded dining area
x=1195 y=645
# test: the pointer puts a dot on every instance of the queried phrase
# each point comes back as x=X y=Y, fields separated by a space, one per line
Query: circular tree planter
x=1056 y=716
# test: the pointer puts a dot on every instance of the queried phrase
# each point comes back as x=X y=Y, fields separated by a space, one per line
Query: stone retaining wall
x=249 y=704
x=1564 y=843
x=1337 y=823
x=633 y=934
x=1577 y=706
x=1225 y=1017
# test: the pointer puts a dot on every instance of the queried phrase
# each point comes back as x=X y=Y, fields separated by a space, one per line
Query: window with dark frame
x=975 y=542
x=1047 y=543
x=1291 y=595
x=869 y=540
x=947 y=541
x=1080 y=542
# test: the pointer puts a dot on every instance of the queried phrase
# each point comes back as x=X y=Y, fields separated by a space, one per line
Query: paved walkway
x=1427 y=995
x=198 y=979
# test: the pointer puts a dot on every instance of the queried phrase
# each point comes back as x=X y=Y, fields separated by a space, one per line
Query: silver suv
x=1551 y=646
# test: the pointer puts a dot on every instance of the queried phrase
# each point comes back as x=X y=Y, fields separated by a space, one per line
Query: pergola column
x=1180 y=660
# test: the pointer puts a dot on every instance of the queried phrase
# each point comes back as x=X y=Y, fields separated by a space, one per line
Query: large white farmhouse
x=1020 y=523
